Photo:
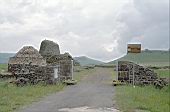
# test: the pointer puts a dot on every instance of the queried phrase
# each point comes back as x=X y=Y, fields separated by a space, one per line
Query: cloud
x=147 y=22
x=98 y=29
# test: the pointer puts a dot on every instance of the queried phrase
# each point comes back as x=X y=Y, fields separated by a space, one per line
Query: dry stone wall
x=142 y=75
x=64 y=61
x=30 y=66
x=35 y=74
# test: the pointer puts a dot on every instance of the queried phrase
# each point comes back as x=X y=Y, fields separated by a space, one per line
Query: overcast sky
x=99 y=29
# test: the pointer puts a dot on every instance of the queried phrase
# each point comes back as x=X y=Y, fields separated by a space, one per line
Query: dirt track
x=93 y=94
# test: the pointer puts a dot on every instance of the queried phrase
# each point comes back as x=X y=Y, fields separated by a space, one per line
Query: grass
x=142 y=98
x=82 y=73
x=148 y=58
x=164 y=73
x=145 y=98
x=12 y=97
x=3 y=67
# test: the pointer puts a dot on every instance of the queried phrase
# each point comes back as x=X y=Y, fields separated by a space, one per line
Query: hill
x=83 y=60
x=4 y=57
x=148 y=58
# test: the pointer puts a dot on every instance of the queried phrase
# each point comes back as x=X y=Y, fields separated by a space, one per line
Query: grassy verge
x=12 y=97
x=145 y=98
x=142 y=98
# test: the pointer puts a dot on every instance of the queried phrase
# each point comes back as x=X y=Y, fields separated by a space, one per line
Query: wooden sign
x=134 y=48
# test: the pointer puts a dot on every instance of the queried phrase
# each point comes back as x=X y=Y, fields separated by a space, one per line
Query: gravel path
x=93 y=94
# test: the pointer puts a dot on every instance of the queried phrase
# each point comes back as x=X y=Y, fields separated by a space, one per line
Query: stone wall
x=64 y=61
x=50 y=51
x=46 y=74
x=142 y=75
x=17 y=68
x=34 y=74
x=65 y=69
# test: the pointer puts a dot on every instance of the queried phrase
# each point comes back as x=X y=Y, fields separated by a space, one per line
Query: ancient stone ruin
x=50 y=51
x=27 y=59
x=65 y=63
x=24 y=66
x=49 y=48
x=132 y=73
x=47 y=65
x=142 y=75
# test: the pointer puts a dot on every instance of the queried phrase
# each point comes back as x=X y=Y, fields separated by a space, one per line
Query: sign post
x=133 y=75
x=135 y=49
x=117 y=69
x=72 y=69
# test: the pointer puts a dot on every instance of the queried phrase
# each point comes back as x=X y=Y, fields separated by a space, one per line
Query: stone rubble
x=142 y=75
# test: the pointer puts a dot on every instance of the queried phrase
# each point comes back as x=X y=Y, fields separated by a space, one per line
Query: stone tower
x=49 y=48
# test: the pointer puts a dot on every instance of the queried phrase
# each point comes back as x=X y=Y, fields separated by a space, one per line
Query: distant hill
x=148 y=58
x=83 y=60
x=4 y=57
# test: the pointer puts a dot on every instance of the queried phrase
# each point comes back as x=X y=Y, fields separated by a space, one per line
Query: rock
x=49 y=48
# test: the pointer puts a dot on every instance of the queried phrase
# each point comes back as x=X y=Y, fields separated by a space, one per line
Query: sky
x=100 y=29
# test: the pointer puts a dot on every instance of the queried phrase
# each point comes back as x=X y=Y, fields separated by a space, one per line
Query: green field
x=164 y=73
x=149 y=99
x=147 y=58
